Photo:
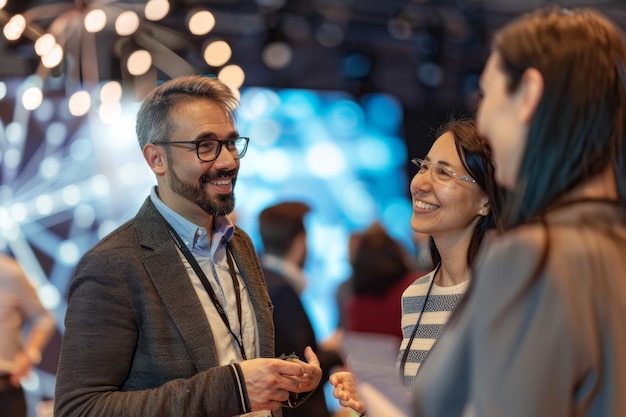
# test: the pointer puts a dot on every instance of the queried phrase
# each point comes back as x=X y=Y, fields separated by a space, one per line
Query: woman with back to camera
x=540 y=331
x=455 y=201
x=381 y=271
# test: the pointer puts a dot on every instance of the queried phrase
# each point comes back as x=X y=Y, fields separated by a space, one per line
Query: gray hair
x=153 y=119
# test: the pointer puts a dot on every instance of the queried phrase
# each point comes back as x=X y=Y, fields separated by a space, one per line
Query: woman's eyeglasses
x=439 y=173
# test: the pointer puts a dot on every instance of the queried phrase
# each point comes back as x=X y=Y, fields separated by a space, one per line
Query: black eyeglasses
x=209 y=149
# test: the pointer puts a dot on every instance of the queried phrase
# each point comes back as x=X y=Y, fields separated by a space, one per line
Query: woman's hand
x=345 y=391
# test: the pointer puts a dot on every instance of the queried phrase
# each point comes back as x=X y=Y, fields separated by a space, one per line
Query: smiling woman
x=455 y=201
x=456 y=204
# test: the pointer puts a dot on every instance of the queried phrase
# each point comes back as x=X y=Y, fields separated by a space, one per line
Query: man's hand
x=312 y=371
x=269 y=381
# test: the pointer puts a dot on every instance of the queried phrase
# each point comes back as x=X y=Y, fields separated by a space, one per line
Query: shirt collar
x=292 y=273
x=194 y=236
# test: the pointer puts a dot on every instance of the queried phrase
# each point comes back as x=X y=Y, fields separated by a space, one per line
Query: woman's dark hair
x=475 y=155
x=379 y=262
x=578 y=128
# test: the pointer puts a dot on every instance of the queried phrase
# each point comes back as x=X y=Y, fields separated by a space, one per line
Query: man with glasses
x=169 y=314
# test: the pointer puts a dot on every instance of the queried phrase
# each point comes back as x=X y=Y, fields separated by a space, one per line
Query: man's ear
x=156 y=158
x=530 y=92
x=298 y=249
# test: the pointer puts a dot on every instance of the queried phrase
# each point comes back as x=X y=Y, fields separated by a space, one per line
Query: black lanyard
x=405 y=354
x=207 y=286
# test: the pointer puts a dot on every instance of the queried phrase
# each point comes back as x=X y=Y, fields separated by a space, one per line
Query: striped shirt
x=439 y=304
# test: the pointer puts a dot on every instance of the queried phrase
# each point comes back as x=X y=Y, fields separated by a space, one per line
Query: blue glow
x=45 y=111
x=81 y=149
x=275 y=166
x=71 y=195
x=300 y=104
x=383 y=112
x=84 y=216
x=49 y=296
x=373 y=154
x=325 y=160
x=346 y=117
x=265 y=132
x=358 y=204
x=56 y=133
x=14 y=133
x=44 y=204
x=49 y=167
x=12 y=158
x=69 y=253
x=257 y=102
x=357 y=65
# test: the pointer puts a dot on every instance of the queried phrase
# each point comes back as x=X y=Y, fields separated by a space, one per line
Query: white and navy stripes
x=439 y=304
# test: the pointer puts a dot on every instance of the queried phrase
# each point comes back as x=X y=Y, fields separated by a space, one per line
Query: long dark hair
x=475 y=155
x=379 y=262
x=578 y=128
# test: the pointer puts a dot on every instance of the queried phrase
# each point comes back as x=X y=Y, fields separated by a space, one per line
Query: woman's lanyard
x=405 y=354
x=207 y=286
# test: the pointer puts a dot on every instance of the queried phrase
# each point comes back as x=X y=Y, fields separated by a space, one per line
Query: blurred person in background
x=381 y=271
x=284 y=237
x=25 y=329
x=420 y=264
x=344 y=290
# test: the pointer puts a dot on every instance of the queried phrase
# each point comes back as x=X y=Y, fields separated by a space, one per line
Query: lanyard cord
x=207 y=286
x=405 y=354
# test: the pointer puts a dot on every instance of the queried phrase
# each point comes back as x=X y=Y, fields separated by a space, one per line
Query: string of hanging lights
x=67 y=39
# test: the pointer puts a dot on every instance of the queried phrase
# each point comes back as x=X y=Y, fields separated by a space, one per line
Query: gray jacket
x=552 y=345
x=137 y=341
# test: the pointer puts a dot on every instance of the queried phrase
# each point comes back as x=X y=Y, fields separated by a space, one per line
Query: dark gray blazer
x=137 y=341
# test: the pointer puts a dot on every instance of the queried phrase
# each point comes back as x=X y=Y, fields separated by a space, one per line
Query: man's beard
x=219 y=205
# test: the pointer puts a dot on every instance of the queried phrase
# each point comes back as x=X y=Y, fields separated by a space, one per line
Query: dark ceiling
x=427 y=53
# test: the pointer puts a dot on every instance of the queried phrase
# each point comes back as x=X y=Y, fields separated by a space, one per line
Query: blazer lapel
x=170 y=279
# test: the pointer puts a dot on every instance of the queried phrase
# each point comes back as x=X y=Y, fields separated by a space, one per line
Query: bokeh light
x=201 y=22
x=95 y=20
